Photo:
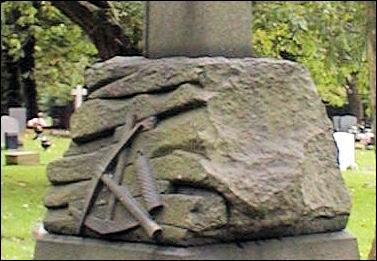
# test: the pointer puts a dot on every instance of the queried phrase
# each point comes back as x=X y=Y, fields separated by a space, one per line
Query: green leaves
x=327 y=37
x=62 y=50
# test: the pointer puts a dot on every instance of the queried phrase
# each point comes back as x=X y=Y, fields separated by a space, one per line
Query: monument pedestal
x=325 y=246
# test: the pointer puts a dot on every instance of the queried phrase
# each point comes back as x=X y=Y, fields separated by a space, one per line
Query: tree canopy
x=326 y=37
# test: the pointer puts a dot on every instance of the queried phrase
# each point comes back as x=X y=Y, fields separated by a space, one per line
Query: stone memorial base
x=324 y=246
x=22 y=157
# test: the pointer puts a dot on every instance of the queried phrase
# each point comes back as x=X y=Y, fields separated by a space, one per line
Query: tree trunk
x=4 y=83
x=98 y=22
x=354 y=101
x=13 y=94
x=371 y=37
x=372 y=253
x=29 y=87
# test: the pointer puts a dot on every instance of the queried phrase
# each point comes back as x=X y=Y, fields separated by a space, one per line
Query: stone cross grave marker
x=79 y=92
x=197 y=28
x=10 y=125
x=20 y=115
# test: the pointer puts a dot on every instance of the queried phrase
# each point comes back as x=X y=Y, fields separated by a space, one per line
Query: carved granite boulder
x=242 y=150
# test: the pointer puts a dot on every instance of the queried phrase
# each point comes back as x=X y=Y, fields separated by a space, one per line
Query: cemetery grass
x=22 y=192
x=23 y=189
x=361 y=184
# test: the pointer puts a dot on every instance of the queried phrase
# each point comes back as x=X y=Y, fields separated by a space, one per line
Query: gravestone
x=344 y=123
x=79 y=92
x=346 y=150
x=336 y=123
x=11 y=140
x=20 y=115
x=8 y=124
x=347 y=122
x=180 y=157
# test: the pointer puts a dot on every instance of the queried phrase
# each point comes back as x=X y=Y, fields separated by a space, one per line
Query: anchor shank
x=125 y=198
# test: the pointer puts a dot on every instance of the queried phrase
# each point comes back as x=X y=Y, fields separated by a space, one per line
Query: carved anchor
x=121 y=193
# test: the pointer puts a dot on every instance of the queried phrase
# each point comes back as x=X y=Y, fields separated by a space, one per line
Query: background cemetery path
x=23 y=189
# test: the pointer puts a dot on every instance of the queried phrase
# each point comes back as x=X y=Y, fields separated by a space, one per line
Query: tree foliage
x=62 y=53
x=327 y=37
x=61 y=50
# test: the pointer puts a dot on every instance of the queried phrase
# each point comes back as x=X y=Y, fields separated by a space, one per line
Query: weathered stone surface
x=252 y=132
x=194 y=212
x=60 y=196
x=324 y=246
x=183 y=216
x=76 y=168
x=89 y=147
x=110 y=70
x=197 y=28
x=113 y=113
x=149 y=80
x=60 y=221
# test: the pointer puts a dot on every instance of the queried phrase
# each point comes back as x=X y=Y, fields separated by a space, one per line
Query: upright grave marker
x=79 y=92
x=20 y=115
x=8 y=125
x=344 y=123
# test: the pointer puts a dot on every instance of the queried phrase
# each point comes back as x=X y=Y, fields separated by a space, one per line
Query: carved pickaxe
x=120 y=192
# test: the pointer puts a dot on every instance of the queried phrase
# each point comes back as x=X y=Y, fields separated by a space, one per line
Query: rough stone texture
x=76 y=168
x=242 y=149
x=324 y=246
x=197 y=28
x=182 y=216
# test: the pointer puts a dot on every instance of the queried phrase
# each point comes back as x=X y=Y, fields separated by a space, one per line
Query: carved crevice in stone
x=103 y=133
x=76 y=168
x=60 y=196
x=191 y=105
x=192 y=146
x=191 y=188
x=96 y=76
x=154 y=90
x=186 y=98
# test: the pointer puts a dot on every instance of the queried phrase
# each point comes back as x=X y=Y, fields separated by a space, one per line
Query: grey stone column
x=197 y=28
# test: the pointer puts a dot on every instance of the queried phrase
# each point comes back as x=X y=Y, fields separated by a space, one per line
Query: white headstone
x=79 y=92
x=345 y=143
x=8 y=124
x=20 y=115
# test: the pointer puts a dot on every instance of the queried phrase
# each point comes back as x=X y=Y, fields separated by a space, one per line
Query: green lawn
x=22 y=192
x=362 y=186
x=23 y=189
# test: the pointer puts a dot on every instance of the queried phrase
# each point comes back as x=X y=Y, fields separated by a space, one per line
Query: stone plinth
x=324 y=246
x=242 y=150
x=22 y=157
x=197 y=28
